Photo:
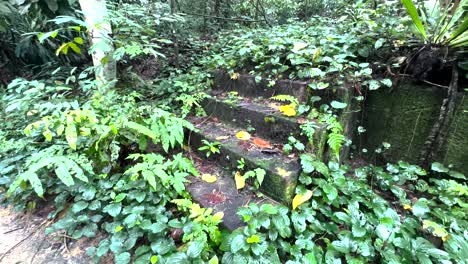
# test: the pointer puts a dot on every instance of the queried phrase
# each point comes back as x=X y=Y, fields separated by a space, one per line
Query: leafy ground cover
x=114 y=163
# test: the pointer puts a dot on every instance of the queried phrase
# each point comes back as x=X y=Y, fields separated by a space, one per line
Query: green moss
x=456 y=152
x=403 y=118
x=270 y=119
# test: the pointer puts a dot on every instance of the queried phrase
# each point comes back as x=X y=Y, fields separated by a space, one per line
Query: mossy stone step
x=282 y=171
x=247 y=85
x=266 y=121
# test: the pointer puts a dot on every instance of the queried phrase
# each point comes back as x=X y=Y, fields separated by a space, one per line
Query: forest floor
x=22 y=240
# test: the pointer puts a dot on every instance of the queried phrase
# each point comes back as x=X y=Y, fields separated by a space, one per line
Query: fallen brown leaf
x=261 y=143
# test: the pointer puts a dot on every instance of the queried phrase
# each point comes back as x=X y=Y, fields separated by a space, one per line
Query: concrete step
x=221 y=195
x=282 y=171
x=246 y=85
x=261 y=116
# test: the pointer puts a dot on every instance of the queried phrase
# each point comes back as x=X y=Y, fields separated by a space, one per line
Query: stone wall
x=404 y=117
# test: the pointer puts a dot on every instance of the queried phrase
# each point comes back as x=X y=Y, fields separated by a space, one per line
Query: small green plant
x=210 y=148
x=292 y=144
x=257 y=174
x=241 y=164
x=258 y=242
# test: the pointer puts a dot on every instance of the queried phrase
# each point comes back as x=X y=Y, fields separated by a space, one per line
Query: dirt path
x=22 y=240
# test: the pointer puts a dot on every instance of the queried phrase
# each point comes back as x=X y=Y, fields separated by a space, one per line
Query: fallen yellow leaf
x=235 y=76
x=240 y=181
x=407 y=207
x=243 y=135
x=288 y=110
x=222 y=137
x=301 y=198
x=282 y=172
x=209 y=178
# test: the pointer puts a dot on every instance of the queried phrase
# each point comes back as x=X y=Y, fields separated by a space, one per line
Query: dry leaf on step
x=209 y=178
x=288 y=110
x=235 y=76
x=301 y=120
x=243 y=135
x=240 y=181
x=261 y=143
x=222 y=137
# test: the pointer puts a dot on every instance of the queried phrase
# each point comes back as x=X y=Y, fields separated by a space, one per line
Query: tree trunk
x=95 y=12
x=174 y=35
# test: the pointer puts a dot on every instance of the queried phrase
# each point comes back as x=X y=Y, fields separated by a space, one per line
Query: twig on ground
x=37 y=251
x=24 y=239
x=12 y=230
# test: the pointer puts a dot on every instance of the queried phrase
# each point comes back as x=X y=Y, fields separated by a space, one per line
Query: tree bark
x=100 y=30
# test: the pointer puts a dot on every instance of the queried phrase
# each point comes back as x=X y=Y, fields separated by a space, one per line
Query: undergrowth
x=113 y=164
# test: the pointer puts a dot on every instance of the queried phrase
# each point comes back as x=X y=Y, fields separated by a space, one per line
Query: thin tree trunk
x=174 y=36
x=95 y=12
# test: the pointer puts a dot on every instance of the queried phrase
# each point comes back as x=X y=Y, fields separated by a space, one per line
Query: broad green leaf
x=140 y=129
x=162 y=246
x=122 y=258
x=439 y=167
x=178 y=258
x=113 y=209
x=78 y=40
x=195 y=248
x=379 y=43
x=149 y=177
x=120 y=197
x=374 y=85
x=387 y=82
x=213 y=260
x=237 y=243
x=338 y=105
x=79 y=206
x=44 y=36
x=269 y=209
x=70 y=133
x=103 y=248
x=74 y=47
x=64 y=175
x=460 y=31
x=420 y=208
x=413 y=12
x=33 y=179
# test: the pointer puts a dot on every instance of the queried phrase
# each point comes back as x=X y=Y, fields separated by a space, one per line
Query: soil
x=23 y=240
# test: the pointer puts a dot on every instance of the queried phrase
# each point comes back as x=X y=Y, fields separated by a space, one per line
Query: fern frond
x=286 y=98
x=335 y=141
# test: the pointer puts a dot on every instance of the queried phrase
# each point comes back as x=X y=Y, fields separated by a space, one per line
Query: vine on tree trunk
x=439 y=130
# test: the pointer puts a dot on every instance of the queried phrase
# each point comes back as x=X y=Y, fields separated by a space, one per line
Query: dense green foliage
x=112 y=161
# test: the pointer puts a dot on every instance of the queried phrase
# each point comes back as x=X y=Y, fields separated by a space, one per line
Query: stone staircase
x=245 y=105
